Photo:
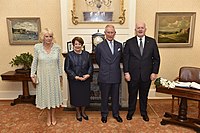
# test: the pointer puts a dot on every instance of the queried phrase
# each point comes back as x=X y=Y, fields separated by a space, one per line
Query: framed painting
x=23 y=30
x=98 y=11
x=175 y=29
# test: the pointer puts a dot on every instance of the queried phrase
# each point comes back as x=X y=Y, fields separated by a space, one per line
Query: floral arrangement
x=164 y=82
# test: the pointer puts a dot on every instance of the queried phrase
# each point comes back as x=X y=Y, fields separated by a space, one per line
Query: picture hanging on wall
x=175 y=29
x=23 y=30
x=69 y=46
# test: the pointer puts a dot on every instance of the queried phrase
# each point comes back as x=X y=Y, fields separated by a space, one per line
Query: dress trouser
x=109 y=89
x=143 y=88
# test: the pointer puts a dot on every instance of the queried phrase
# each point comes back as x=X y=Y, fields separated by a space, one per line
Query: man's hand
x=127 y=76
x=153 y=76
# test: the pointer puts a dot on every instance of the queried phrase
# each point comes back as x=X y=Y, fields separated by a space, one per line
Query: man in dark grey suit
x=141 y=66
x=108 y=56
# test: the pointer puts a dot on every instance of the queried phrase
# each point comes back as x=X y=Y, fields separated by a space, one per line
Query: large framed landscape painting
x=175 y=29
x=23 y=30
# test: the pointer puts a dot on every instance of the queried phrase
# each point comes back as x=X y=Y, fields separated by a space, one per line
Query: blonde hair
x=45 y=31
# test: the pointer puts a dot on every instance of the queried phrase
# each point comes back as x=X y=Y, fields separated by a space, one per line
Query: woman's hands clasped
x=82 y=78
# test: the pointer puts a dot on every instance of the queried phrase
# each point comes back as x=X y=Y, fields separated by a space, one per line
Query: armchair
x=188 y=74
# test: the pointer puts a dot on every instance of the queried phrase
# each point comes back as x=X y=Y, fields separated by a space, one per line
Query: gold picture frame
x=175 y=29
x=23 y=30
x=83 y=12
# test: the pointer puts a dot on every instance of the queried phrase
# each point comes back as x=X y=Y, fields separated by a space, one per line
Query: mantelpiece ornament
x=118 y=19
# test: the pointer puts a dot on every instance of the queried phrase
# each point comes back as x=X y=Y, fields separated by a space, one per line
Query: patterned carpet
x=26 y=118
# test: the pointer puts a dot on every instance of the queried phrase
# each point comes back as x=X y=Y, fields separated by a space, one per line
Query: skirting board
x=10 y=95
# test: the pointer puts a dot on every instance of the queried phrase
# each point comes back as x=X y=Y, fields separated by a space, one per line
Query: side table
x=24 y=78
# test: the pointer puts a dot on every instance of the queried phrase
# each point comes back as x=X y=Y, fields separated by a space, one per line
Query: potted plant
x=24 y=60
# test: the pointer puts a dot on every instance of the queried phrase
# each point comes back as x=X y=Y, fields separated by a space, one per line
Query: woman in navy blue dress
x=79 y=68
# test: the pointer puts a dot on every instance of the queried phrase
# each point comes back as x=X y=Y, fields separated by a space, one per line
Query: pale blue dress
x=47 y=66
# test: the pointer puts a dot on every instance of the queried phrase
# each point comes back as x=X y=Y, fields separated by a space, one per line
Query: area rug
x=96 y=110
x=26 y=118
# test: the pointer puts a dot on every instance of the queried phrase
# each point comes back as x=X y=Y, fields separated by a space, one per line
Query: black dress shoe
x=129 y=116
x=78 y=117
x=104 y=119
x=118 y=118
x=145 y=117
x=85 y=117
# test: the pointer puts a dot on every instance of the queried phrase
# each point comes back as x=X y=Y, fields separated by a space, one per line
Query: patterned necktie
x=141 y=47
x=111 y=47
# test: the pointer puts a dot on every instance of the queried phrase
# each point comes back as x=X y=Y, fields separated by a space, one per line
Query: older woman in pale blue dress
x=46 y=73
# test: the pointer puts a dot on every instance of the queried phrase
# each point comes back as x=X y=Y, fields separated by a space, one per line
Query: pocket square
x=118 y=49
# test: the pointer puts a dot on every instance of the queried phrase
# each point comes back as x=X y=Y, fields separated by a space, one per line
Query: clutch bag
x=36 y=79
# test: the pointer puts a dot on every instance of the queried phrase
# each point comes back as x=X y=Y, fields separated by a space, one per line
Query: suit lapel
x=107 y=49
x=146 y=45
x=117 y=50
x=136 y=47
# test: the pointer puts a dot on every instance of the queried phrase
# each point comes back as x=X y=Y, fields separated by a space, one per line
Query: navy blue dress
x=78 y=65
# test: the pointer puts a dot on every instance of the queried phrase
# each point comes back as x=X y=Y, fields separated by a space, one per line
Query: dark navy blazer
x=109 y=65
x=138 y=65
